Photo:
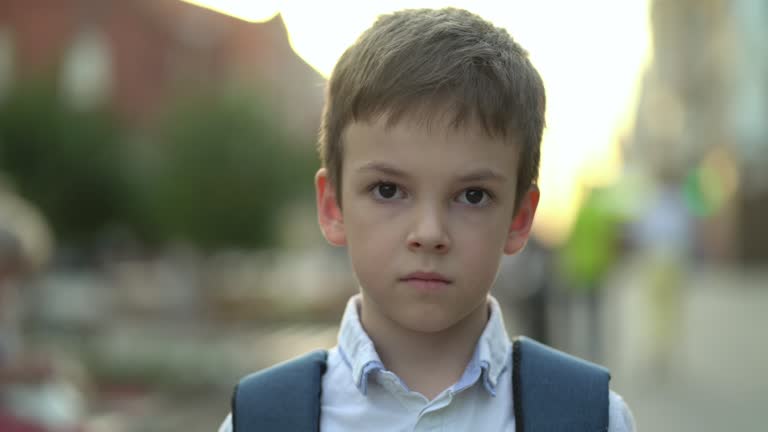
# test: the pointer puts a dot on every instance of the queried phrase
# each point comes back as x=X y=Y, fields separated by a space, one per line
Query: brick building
x=137 y=54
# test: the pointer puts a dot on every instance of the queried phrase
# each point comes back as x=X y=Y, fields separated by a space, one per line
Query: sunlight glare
x=591 y=55
x=253 y=11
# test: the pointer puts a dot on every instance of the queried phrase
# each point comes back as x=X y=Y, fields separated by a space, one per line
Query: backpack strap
x=553 y=392
x=284 y=397
x=556 y=392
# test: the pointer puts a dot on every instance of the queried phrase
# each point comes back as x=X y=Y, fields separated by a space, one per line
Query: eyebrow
x=483 y=174
x=383 y=168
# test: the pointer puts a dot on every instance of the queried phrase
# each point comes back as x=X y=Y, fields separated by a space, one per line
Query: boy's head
x=430 y=144
x=421 y=62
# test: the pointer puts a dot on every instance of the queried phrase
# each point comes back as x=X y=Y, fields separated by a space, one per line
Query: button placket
x=429 y=421
x=411 y=401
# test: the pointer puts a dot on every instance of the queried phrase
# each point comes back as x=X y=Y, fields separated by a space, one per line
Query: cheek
x=370 y=258
x=481 y=245
x=371 y=238
x=482 y=230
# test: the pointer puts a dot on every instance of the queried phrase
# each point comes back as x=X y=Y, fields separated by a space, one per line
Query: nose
x=429 y=233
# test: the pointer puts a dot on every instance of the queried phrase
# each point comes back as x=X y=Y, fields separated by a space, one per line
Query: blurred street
x=716 y=380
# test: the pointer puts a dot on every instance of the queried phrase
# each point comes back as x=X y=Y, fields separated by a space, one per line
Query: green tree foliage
x=215 y=171
x=221 y=170
x=65 y=161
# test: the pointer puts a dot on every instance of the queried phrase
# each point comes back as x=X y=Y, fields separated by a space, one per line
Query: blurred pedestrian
x=524 y=287
x=31 y=398
x=663 y=236
x=588 y=255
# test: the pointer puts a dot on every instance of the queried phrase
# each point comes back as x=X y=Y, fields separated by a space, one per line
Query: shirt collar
x=489 y=360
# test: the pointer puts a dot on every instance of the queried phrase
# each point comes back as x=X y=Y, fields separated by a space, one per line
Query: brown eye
x=474 y=197
x=386 y=191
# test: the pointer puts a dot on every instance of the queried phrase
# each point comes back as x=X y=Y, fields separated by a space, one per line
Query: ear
x=520 y=228
x=328 y=211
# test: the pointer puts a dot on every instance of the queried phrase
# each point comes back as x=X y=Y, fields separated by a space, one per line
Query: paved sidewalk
x=717 y=378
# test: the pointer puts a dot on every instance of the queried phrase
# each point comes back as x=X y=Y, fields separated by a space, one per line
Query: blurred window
x=87 y=72
x=6 y=62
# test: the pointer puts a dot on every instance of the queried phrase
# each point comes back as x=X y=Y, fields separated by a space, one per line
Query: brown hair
x=418 y=61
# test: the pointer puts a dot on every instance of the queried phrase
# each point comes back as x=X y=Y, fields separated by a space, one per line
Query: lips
x=426 y=281
x=427 y=276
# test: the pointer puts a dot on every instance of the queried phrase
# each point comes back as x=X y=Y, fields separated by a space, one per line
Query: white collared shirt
x=359 y=393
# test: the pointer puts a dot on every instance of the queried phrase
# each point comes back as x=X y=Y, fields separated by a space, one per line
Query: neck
x=428 y=362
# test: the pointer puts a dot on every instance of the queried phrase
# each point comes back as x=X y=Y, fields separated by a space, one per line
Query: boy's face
x=427 y=215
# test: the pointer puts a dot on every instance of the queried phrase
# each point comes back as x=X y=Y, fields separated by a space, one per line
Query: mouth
x=426 y=281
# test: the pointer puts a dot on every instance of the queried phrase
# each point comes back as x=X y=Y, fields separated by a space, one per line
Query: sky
x=591 y=55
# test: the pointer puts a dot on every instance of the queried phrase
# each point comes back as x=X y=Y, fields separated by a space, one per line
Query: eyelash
x=488 y=195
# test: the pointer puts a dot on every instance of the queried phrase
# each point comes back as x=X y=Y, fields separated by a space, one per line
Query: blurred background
x=157 y=224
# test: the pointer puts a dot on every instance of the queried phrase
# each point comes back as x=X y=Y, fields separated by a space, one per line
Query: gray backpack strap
x=556 y=392
x=284 y=397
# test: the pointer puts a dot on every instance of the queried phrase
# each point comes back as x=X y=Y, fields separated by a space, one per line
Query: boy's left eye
x=474 y=197
x=386 y=191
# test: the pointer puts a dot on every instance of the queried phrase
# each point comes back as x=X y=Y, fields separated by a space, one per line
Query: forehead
x=437 y=146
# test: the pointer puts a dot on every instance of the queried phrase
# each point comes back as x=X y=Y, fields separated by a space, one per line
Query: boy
x=430 y=148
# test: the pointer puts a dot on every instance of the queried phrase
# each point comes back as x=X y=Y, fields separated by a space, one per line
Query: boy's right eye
x=386 y=191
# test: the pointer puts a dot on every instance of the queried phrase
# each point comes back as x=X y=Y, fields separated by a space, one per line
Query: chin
x=425 y=324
